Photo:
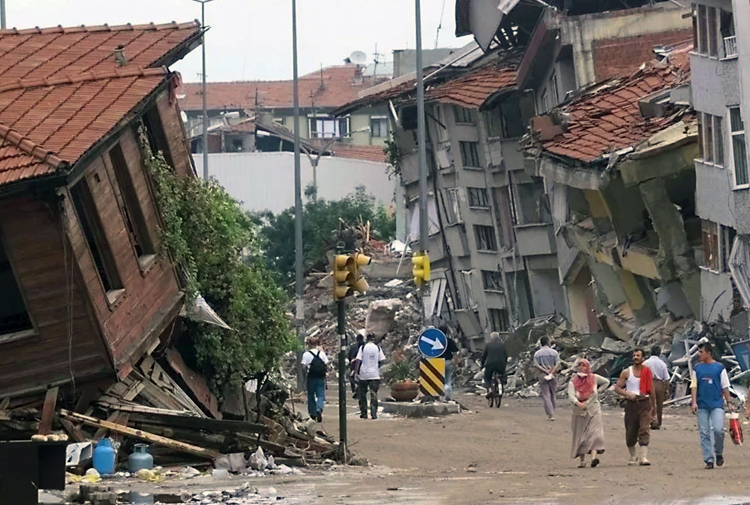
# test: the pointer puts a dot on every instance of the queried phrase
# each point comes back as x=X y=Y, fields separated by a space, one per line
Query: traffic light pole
x=342 y=374
x=422 y=159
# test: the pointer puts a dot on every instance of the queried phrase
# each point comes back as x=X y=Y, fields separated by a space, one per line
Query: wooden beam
x=197 y=423
x=73 y=431
x=142 y=435
x=50 y=400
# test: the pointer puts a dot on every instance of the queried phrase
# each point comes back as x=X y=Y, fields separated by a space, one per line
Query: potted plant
x=400 y=376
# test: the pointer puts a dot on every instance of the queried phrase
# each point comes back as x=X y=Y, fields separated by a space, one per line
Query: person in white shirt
x=661 y=385
x=369 y=358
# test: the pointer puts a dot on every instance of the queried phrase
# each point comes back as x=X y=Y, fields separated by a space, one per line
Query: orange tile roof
x=608 y=118
x=328 y=88
x=61 y=90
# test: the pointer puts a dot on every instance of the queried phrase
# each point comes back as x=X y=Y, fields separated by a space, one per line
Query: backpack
x=318 y=368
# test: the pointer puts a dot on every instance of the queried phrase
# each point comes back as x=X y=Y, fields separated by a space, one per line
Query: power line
x=440 y=26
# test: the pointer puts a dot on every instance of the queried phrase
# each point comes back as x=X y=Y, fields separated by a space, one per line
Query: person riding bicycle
x=494 y=360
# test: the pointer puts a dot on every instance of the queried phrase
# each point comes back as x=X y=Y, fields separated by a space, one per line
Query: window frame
x=732 y=152
x=90 y=218
x=380 y=120
x=495 y=284
x=503 y=319
x=338 y=121
x=452 y=206
x=719 y=239
x=493 y=123
x=32 y=331
x=470 y=149
x=134 y=218
x=485 y=236
x=712 y=151
x=478 y=198
x=462 y=115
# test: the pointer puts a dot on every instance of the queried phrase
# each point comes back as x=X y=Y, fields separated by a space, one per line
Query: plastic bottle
x=104 y=457
x=140 y=459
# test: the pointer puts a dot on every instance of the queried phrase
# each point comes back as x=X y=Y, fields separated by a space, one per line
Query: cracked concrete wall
x=675 y=259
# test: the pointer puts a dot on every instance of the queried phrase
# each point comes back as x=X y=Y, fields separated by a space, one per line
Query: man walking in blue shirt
x=710 y=387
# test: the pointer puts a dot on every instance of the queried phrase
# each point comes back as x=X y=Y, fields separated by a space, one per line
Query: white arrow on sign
x=436 y=344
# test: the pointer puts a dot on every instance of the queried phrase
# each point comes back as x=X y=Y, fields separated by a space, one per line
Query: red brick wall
x=622 y=56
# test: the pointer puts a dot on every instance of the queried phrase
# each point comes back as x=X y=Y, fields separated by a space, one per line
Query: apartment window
x=379 y=127
x=516 y=112
x=470 y=154
x=717 y=245
x=544 y=101
x=718 y=141
x=708 y=139
x=462 y=115
x=554 y=89
x=493 y=281
x=328 y=127
x=157 y=138
x=739 y=151
x=726 y=28
x=133 y=213
x=452 y=209
x=478 y=197
x=493 y=122
x=93 y=232
x=708 y=31
x=442 y=126
x=485 y=237
x=499 y=320
x=14 y=318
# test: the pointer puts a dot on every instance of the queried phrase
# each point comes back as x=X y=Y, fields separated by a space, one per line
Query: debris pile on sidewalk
x=256 y=431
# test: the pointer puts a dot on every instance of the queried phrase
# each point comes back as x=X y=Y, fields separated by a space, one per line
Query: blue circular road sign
x=432 y=343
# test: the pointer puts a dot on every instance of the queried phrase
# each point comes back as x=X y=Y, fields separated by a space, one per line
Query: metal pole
x=2 y=14
x=205 y=114
x=422 y=156
x=342 y=375
x=298 y=256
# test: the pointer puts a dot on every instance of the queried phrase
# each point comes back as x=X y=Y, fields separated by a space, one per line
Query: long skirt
x=588 y=435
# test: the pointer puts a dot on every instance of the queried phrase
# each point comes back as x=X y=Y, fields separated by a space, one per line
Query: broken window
x=379 y=126
x=504 y=216
x=478 y=197
x=93 y=232
x=133 y=214
x=717 y=245
x=544 y=101
x=470 y=154
x=462 y=115
x=157 y=138
x=516 y=112
x=452 y=209
x=14 y=318
x=739 y=151
x=493 y=281
x=329 y=127
x=531 y=204
x=441 y=127
x=485 y=237
x=554 y=91
x=493 y=124
x=499 y=320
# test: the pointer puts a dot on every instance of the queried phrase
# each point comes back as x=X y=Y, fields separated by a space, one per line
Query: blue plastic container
x=141 y=459
x=104 y=457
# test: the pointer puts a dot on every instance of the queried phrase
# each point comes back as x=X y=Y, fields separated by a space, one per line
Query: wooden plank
x=195 y=383
x=50 y=400
x=101 y=432
x=198 y=423
x=142 y=435
x=73 y=431
x=108 y=403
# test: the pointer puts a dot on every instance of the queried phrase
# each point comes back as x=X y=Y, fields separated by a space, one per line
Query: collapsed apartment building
x=494 y=243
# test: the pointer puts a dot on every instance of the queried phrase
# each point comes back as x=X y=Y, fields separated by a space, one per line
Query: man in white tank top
x=636 y=385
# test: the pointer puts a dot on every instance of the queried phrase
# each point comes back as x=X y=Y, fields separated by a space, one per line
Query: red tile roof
x=328 y=88
x=61 y=90
x=365 y=153
x=607 y=118
x=471 y=90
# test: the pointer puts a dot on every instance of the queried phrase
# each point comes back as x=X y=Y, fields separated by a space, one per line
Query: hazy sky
x=251 y=39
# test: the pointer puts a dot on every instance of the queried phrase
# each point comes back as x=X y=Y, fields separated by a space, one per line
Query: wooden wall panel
x=178 y=146
x=145 y=292
x=32 y=236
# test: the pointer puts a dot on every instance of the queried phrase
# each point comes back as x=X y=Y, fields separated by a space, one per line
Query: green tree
x=321 y=220
x=215 y=242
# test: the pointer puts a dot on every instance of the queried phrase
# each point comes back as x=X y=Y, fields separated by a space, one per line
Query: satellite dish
x=358 y=58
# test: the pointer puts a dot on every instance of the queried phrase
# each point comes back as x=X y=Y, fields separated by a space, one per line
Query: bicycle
x=495 y=393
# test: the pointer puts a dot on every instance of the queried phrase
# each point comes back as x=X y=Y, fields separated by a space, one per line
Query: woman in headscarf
x=588 y=431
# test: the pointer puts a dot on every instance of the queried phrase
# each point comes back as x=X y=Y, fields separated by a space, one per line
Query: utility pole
x=422 y=160
x=298 y=256
x=203 y=88
x=2 y=14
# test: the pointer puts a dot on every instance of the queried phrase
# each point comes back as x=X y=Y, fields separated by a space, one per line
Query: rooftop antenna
x=440 y=26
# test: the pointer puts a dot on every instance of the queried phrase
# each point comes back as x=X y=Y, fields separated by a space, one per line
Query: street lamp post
x=422 y=156
x=2 y=14
x=203 y=88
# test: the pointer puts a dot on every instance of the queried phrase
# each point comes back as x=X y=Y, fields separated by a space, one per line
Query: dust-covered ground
x=511 y=455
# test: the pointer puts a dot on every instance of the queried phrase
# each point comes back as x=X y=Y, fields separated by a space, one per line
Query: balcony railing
x=730 y=46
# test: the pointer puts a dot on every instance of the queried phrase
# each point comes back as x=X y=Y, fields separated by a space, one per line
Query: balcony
x=535 y=239
x=730 y=47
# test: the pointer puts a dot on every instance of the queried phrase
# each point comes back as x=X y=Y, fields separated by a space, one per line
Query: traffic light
x=421 y=270
x=341 y=276
x=357 y=282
